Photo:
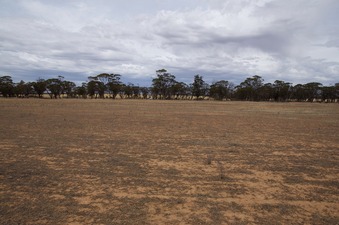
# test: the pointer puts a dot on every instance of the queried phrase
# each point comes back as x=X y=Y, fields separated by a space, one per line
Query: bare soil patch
x=168 y=162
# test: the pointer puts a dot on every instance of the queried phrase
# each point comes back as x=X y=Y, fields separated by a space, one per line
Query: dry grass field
x=168 y=162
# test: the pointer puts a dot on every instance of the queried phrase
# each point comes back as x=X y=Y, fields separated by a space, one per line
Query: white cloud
x=292 y=40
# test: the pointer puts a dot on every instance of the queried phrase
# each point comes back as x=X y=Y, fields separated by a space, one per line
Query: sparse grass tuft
x=209 y=159
x=221 y=170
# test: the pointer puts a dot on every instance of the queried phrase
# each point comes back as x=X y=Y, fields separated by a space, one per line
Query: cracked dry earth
x=168 y=162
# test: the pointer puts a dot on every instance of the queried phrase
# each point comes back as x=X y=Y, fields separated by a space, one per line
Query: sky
x=295 y=41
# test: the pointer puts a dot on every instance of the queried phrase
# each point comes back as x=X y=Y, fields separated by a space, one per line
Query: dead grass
x=141 y=162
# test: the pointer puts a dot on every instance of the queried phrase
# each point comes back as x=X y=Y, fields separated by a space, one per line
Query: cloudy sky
x=291 y=40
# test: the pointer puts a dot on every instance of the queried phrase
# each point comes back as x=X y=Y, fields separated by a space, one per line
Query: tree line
x=165 y=86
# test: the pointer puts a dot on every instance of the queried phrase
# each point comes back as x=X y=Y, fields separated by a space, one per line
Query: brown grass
x=144 y=162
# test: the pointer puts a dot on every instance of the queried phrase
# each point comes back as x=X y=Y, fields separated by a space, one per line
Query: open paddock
x=83 y=161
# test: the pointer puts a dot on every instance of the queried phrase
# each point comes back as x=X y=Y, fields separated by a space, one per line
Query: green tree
x=250 y=88
x=39 y=87
x=54 y=87
x=122 y=91
x=105 y=78
x=136 y=91
x=129 y=90
x=82 y=90
x=220 y=90
x=312 y=90
x=162 y=84
x=144 y=92
x=96 y=86
x=281 y=90
x=68 y=88
x=92 y=88
x=199 y=87
x=6 y=86
x=180 y=90
x=113 y=84
x=99 y=84
x=114 y=87
x=328 y=93
x=298 y=92
x=23 y=89
x=266 y=92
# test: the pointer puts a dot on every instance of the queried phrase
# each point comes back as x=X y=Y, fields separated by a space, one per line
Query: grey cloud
x=332 y=43
x=218 y=39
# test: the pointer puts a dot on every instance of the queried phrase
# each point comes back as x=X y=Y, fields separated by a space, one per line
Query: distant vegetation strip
x=165 y=86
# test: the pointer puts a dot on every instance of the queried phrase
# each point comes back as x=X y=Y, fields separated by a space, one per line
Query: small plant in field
x=221 y=170
x=209 y=159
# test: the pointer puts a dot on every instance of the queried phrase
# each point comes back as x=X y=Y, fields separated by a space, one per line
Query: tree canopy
x=165 y=86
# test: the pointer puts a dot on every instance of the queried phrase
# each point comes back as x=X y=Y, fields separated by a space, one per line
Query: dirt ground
x=168 y=162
